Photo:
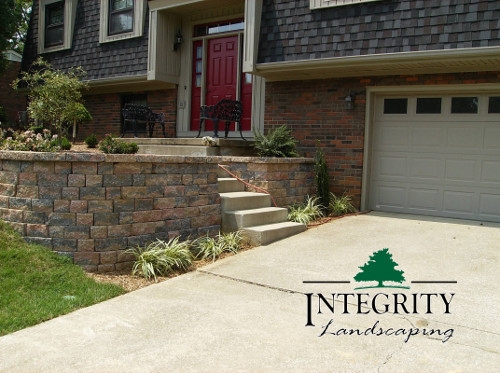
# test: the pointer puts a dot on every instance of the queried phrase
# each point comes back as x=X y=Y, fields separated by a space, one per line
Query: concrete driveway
x=248 y=313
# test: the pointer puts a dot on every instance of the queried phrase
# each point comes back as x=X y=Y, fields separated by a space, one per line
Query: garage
x=436 y=154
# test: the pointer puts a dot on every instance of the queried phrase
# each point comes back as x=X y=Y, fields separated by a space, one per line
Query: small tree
x=380 y=268
x=55 y=97
x=322 y=179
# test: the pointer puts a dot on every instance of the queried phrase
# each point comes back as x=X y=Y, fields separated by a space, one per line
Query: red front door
x=220 y=79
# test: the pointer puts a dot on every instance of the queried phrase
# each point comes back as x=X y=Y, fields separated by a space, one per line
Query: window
x=219 y=28
x=464 y=105
x=429 y=105
x=121 y=19
x=121 y=16
x=317 y=4
x=494 y=105
x=395 y=105
x=56 y=24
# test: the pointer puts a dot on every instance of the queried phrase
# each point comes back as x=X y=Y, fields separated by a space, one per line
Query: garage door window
x=429 y=105
x=494 y=105
x=464 y=105
x=395 y=105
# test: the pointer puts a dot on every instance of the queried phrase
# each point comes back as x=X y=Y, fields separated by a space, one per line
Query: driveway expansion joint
x=250 y=282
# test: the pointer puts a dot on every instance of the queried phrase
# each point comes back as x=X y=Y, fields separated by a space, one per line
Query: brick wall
x=12 y=101
x=93 y=206
x=106 y=113
x=288 y=180
x=315 y=112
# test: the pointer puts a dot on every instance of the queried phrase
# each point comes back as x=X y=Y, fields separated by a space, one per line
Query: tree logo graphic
x=380 y=268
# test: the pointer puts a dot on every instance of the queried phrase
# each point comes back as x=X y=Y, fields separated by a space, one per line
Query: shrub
x=209 y=247
x=31 y=141
x=91 y=141
x=111 y=145
x=340 y=205
x=161 y=258
x=278 y=143
x=65 y=144
x=306 y=212
x=322 y=178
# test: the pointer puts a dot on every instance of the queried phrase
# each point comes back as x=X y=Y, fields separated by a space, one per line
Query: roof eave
x=127 y=84
x=404 y=63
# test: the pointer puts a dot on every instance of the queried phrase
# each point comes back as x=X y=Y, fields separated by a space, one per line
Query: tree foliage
x=380 y=268
x=55 y=96
x=7 y=27
x=14 y=20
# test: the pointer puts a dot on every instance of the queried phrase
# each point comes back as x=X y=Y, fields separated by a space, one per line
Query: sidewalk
x=248 y=313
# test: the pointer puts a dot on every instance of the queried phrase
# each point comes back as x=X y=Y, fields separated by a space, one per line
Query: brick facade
x=315 y=111
x=11 y=101
x=106 y=113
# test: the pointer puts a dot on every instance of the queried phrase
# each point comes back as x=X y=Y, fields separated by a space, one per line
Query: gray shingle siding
x=108 y=60
x=290 y=31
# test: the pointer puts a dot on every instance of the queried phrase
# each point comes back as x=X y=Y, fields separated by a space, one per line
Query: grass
x=37 y=285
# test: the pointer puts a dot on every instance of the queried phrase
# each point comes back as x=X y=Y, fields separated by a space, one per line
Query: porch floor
x=192 y=146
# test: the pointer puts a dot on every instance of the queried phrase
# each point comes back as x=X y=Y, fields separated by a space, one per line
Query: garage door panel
x=459 y=202
x=439 y=165
x=489 y=205
x=423 y=199
x=425 y=168
x=392 y=137
x=490 y=171
x=461 y=169
x=391 y=196
x=465 y=137
x=427 y=137
x=391 y=166
x=492 y=139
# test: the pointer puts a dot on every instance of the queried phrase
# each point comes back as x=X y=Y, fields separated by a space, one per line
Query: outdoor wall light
x=178 y=40
x=349 y=101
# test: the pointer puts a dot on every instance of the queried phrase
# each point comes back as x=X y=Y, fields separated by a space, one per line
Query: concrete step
x=230 y=184
x=186 y=150
x=234 y=220
x=192 y=146
x=265 y=234
x=234 y=201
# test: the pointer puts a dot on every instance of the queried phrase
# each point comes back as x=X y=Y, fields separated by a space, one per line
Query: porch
x=193 y=146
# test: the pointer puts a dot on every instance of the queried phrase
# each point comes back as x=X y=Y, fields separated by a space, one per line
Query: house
x=403 y=95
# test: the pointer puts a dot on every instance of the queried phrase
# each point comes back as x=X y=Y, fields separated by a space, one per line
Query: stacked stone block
x=91 y=207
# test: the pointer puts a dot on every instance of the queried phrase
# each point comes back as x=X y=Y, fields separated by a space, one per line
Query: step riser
x=245 y=203
x=227 y=185
x=232 y=221
x=257 y=237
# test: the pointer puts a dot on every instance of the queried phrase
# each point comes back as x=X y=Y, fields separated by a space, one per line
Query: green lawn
x=37 y=284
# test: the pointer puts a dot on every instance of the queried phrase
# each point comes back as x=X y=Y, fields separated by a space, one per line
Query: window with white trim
x=56 y=24
x=121 y=19
x=317 y=4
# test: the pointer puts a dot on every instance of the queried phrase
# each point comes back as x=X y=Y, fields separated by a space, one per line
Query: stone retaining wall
x=91 y=207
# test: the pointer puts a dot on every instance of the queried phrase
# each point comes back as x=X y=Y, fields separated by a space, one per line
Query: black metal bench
x=139 y=114
x=225 y=110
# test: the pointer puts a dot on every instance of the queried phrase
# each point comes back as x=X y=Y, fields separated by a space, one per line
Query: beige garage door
x=437 y=155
